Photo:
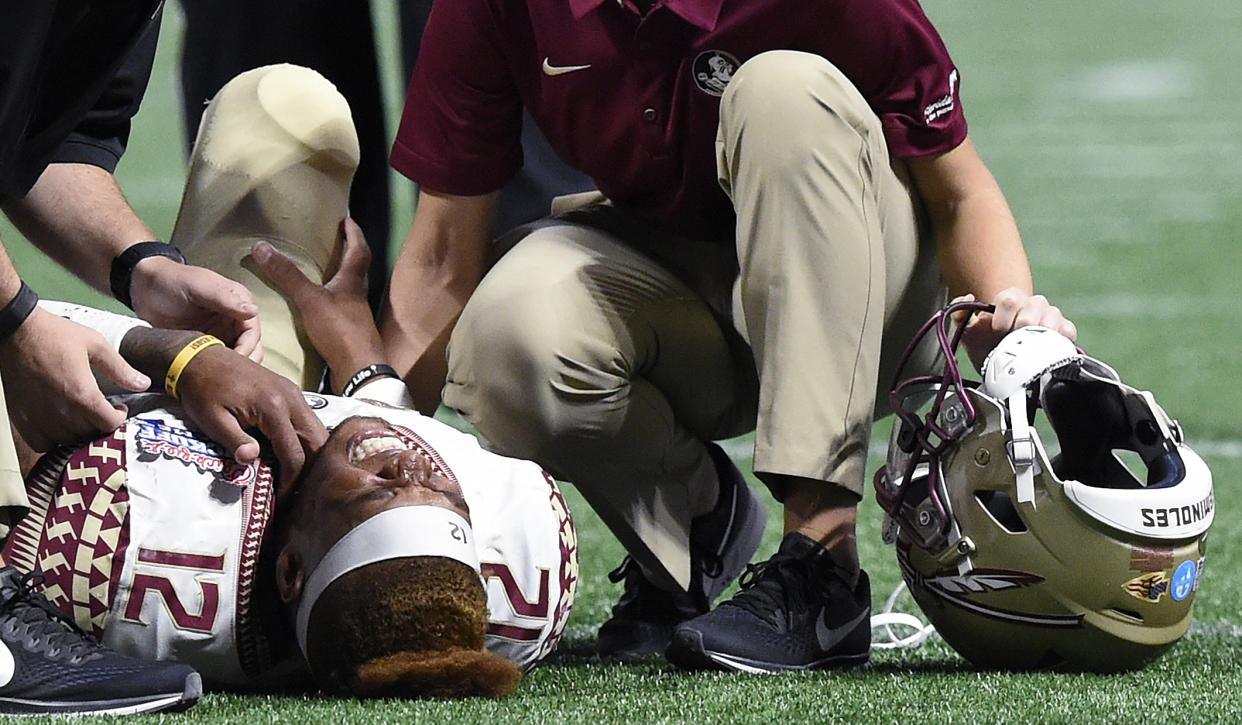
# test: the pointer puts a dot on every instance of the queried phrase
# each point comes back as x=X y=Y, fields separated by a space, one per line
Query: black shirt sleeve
x=101 y=137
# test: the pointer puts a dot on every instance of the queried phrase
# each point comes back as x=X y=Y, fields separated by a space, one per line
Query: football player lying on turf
x=168 y=548
x=404 y=561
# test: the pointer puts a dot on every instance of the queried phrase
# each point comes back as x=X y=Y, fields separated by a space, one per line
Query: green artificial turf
x=1116 y=131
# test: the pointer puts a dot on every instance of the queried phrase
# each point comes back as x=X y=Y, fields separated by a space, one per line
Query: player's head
x=379 y=568
x=402 y=627
x=366 y=466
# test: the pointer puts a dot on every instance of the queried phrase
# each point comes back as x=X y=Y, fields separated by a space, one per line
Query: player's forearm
x=152 y=350
x=415 y=337
x=77 y=215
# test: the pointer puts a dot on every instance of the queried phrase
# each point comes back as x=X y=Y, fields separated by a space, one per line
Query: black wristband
x=366 y=375
x=17 y=310
x=123 y=266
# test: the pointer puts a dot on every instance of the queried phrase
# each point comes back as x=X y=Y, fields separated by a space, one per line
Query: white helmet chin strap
x=1023 y=356
x=1021 y=447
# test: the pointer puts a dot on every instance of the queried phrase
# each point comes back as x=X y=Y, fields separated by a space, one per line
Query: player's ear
x=290 y=574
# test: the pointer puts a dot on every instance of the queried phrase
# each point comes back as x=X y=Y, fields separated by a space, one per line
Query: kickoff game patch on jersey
x=159 y=439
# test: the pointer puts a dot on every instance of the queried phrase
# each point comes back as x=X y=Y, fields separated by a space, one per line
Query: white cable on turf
x=887 y=619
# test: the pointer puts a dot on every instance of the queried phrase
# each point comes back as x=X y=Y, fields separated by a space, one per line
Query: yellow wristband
x=183 y=358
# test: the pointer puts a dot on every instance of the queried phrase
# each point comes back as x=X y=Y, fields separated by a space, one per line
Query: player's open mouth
x=366 y=445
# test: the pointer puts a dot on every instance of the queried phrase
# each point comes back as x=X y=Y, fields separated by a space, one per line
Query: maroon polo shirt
x=633 y=99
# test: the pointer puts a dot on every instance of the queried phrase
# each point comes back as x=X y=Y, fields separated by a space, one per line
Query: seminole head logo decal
x=713 y=69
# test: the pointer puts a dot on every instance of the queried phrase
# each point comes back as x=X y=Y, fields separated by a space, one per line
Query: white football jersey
x=151 y=537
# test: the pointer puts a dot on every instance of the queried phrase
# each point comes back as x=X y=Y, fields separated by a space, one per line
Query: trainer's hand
x=52 y=394
x=225 y=394
x=335 y=315
x=185 y=297
x=1014 y=309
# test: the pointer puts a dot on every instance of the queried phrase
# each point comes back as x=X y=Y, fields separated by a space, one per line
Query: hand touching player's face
x=368 y=466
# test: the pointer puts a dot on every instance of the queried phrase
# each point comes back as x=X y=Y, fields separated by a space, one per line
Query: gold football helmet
x=1039 y=551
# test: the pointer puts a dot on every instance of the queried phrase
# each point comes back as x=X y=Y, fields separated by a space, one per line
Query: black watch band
x=17 y=310
x=123 y=266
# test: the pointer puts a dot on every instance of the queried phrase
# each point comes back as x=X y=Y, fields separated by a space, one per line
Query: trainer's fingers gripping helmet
x=1026 y=560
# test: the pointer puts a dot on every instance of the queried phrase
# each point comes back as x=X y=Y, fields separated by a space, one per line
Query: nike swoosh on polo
x=830 y=637
x=7 y=665
x=557 y=70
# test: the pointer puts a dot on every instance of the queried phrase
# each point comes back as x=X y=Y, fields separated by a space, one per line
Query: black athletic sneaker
x=796 y=611
x=643 y=619
x=723 y=540
x=721 y=543
x=49 y=665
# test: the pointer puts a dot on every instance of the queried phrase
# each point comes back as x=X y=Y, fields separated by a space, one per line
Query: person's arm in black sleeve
x=100 y=139
x=77 y=214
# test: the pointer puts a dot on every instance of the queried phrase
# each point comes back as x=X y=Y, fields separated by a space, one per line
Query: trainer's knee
x=794 y=100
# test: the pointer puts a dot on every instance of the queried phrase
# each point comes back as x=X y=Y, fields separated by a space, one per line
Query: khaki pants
x=274 y=159
x=608 y=352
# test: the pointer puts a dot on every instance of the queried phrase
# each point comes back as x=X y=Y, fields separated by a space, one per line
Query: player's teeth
x=372 y=446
